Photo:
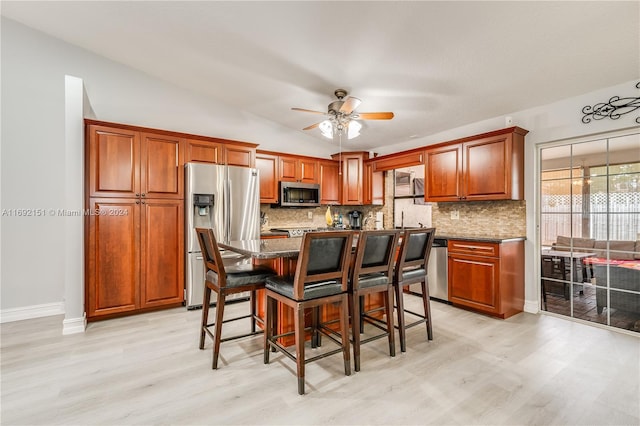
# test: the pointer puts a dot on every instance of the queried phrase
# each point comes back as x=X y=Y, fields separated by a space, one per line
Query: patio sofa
x=622 y=264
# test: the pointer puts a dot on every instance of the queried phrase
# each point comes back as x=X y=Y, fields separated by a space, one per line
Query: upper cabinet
x=298 y=169
x=202 y=151
x=127 y=163
x=267 y=166
x=240 y=155
x=372 y=185
x=329 y=182
x=485 y=167
x=352 y=176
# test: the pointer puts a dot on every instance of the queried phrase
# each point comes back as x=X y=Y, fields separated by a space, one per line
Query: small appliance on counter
x=355 y=219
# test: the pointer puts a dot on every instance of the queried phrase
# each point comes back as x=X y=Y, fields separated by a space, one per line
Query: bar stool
x=320 y=279
x=373 y=274
x=411 y=267
x=226 y=280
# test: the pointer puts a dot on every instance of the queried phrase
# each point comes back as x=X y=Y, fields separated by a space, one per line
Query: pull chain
x=340 y=153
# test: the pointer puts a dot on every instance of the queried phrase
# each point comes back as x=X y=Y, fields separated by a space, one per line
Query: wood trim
x=88 y=122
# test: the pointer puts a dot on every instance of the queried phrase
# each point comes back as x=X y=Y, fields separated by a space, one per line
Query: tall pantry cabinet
x=135 y=232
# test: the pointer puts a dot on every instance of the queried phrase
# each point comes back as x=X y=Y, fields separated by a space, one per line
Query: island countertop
x=265 y=249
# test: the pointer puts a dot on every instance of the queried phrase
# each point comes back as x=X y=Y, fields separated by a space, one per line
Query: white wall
x=33 y=145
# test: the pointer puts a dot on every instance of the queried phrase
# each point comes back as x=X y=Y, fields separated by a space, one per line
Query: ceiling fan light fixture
x=326 y=128
x=353 y=129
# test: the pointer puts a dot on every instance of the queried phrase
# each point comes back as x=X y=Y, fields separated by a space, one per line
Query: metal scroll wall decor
x=614 y=108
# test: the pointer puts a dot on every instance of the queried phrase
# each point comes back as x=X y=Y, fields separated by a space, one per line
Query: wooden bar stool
x=373 y=273
x=320 y=279
x=226 y=280
x=411 y=267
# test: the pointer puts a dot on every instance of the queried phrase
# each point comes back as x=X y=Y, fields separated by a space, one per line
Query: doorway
x=589 y=229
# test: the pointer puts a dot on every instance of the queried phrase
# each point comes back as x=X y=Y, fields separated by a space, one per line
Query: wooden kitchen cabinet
x=487 y=277
x=372 y=186
x=126 y=163
x=298 y=169
x=329 y=182
x=239 y=155
x=352 y=176
x=203 y=151
x=135 y=255
x=267 y=166
x=135 y=232
x=483 y=167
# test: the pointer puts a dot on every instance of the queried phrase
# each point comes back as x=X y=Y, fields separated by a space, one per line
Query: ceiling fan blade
x=308 y=110
x=313 y=126
x=349 y=105
x=375 y=115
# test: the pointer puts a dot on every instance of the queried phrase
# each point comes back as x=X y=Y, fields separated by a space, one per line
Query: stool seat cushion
x=372 y=280
x=413 y=274
x=284 y=285
x=242 y=274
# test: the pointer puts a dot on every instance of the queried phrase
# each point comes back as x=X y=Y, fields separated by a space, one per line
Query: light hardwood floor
x=147 y=369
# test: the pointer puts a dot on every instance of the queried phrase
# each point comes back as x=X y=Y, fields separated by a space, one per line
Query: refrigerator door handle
x=227 y=189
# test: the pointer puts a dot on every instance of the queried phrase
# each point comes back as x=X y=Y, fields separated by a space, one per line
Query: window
x=589 y=229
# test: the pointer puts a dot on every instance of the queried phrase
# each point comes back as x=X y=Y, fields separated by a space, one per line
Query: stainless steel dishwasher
x=436 y=272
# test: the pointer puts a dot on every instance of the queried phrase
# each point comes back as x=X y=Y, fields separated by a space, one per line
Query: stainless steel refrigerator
x=226 y=199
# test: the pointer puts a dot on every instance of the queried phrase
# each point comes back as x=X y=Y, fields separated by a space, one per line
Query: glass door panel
x=590 y=230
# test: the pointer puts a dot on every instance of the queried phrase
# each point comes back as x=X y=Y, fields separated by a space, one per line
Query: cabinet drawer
x=474 y=248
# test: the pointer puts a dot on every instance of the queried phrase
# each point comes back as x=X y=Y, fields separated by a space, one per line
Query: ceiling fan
x=342 y=116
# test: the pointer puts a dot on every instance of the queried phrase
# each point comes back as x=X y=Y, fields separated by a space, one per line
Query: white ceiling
x=436 y=65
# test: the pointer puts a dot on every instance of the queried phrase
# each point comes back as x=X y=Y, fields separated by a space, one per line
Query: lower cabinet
x=487 y=277
x=135 y=258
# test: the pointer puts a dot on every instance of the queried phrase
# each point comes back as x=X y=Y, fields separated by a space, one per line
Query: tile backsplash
x=481 y=218
x=292 y=217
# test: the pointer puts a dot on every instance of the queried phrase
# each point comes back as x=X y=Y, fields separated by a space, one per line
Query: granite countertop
x=265 y=249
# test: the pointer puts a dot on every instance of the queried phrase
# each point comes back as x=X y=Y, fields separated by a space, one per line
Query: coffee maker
x=355 y=219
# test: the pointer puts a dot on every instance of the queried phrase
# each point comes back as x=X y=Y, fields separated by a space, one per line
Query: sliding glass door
x=589 y=224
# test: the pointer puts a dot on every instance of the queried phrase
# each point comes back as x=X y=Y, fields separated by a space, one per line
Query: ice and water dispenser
x=202 y=211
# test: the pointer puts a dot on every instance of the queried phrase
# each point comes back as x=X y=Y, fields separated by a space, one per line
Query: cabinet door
x=372 y=186
x=329 y=183
x=474 y=282
x=161 y=169
x=114 y=158
x=267 y=166
x=443 y=174
x=112 y=282
x=352 y=171
x=239 y=155
x=288 y=169
x=487 y=168
x=200 y=151
x=308 y=171
x=162 y=252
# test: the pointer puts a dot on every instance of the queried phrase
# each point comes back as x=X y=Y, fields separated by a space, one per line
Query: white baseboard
x=29 y=312
x=531 y=306
x=74 y=325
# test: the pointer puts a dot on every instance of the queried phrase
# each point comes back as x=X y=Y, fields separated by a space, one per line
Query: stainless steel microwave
x=295 y=194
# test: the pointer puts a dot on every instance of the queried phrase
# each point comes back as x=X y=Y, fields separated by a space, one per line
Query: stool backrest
x=211 y=253
x=376 y=253
x=415 y=249
x=324 y=256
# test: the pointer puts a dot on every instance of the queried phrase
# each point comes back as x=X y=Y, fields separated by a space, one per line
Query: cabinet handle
x=143 y=202
x=137 y=202
x=143 y=194
x=137 y=194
